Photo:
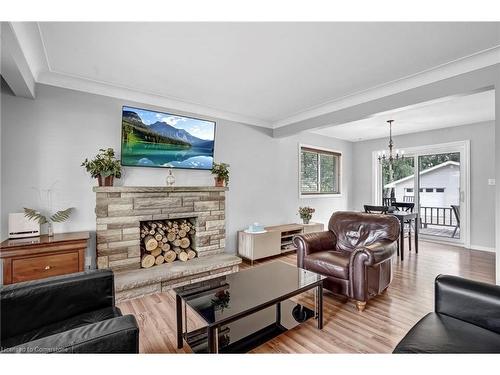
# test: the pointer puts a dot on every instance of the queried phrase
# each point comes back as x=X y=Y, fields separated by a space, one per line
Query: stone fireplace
x=121 y=214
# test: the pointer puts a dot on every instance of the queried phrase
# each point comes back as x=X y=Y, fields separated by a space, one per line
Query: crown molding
x=466 y=64
x=32 y=43
x=71 y=82
x=463 y=65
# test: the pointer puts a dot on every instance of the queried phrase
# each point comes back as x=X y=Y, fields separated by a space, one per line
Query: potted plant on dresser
x=221 y=172
x=104 y=166
x=58 y=217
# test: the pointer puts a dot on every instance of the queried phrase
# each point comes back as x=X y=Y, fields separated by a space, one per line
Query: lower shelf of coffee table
x=248 y=333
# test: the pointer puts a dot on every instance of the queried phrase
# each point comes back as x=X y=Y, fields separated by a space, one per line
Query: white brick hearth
x=119 y=211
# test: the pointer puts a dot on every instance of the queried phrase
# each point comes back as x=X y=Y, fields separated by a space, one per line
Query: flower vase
x=50 y=229
x=306 y=220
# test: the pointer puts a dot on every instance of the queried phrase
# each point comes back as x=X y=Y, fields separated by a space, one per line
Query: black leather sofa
x=66 y=314
x=466 y=320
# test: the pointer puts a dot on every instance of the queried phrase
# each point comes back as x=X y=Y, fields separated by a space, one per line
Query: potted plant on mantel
x=221 y=172
x=105 y=167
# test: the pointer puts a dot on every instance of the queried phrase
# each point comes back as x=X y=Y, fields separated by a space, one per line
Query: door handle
x=462 y=196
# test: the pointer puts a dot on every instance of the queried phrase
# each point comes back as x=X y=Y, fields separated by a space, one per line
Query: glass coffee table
x=245 y=309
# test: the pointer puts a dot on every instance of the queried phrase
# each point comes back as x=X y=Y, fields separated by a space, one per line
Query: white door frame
x=442 y=148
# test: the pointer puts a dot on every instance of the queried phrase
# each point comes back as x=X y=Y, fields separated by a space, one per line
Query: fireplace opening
x=167 y=241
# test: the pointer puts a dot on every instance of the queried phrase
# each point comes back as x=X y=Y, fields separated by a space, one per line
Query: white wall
x=45 y=140
x=482 y=148
x=497 y=174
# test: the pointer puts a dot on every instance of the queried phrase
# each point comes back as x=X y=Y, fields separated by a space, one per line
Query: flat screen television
x=164 y=140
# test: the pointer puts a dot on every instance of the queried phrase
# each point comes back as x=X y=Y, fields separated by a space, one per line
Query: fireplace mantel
x=156 y=189
x=120 y=210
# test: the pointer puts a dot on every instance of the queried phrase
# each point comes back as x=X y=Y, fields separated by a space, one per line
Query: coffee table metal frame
x=213 y=328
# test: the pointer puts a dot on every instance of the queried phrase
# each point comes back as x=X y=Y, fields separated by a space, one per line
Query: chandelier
x=390 y=156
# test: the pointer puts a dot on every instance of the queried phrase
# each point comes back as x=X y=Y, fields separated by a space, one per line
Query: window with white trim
x=319 y=171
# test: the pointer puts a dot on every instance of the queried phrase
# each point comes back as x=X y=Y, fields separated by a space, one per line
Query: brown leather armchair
x=355 y=254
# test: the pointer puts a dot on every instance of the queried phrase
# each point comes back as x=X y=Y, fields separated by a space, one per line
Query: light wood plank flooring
x=378 y=329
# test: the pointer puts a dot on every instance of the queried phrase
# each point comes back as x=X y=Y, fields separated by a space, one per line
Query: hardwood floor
x=378 y=329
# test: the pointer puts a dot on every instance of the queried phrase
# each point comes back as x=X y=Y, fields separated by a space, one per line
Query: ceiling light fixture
x=390 y=156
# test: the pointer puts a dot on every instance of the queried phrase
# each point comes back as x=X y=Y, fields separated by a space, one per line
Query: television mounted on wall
x=164 y=140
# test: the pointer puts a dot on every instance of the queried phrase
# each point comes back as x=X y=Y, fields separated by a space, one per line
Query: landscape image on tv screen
x=156 y=139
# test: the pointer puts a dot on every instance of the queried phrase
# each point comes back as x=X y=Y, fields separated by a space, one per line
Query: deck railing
x=442 y=216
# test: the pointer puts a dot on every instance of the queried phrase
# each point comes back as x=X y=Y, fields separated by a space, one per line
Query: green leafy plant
x=58 y=217
x=221 y=170
x=104 y=164
x=305 y=213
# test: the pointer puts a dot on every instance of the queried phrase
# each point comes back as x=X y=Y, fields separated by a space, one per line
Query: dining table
x=406 y=217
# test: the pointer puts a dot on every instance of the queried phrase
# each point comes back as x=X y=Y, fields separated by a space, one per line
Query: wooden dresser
x=39 y=257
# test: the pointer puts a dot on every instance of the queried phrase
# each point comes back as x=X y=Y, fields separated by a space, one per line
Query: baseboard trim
x=483 y=248
x=471 y=247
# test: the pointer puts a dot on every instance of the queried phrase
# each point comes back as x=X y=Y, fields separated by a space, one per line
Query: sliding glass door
x=435 y=178
x=439 y=195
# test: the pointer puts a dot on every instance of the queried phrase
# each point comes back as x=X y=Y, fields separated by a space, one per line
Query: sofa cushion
x=329 y=263
x=439 y=333
x=65 y=325
x=30 y=305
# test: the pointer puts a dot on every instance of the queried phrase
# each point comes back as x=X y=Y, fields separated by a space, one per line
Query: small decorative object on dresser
x=58 y=217
x=305 y=214
x=104 y=167
x=36 y=258
x=20 y=226
x=221 y=172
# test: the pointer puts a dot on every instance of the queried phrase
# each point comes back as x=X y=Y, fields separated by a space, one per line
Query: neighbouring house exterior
x=439 y=186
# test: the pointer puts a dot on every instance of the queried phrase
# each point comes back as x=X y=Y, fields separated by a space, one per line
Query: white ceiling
x=447 y=112
x=262 y=71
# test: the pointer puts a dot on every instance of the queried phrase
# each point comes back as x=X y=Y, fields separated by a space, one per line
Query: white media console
x=275 y=241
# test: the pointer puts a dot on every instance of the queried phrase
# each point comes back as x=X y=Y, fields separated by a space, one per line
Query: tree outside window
x=319 y=171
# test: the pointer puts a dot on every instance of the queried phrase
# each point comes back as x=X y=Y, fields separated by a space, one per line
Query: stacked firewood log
x=166 y=241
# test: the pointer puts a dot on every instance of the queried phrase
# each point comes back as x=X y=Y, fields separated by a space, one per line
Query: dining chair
x=406 y=207
x=388 y=201
x=376 y=209
x=456 y=212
